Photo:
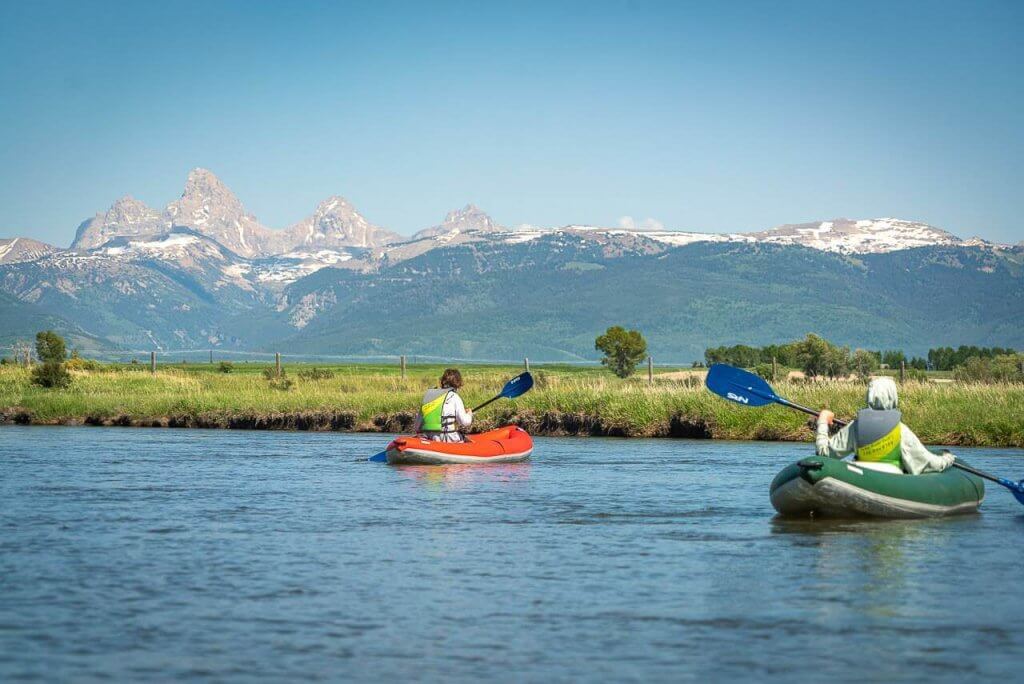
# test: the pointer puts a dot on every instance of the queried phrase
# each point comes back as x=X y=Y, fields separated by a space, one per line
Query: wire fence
x=17 y=351
x=24 y=353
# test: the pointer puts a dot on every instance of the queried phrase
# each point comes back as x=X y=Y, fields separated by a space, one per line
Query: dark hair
x=451 y=378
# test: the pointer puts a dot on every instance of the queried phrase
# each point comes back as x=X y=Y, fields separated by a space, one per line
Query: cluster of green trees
x=818 y=357
x=940 y=358
x=745 y=356
x=947 y=358
x=814 y=355
x=991 y=369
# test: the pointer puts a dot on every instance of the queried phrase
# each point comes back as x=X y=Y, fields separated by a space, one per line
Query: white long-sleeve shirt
x=916 y=458
x=453 y=408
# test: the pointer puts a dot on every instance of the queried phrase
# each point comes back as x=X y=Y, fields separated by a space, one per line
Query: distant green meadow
x=567 y=400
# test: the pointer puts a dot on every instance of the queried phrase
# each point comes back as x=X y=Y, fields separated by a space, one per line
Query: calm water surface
x=214 y=555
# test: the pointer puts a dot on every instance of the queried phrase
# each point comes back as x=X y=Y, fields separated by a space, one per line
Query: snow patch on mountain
x=838 y=235
x=18 y=250
x=287 y=268
x=160 y=245
x=858 y=236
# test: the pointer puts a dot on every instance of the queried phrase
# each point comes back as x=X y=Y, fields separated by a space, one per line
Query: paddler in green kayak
x=878 y=435
x=442 y=412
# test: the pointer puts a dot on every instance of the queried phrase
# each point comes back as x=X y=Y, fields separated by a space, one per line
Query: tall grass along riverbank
x=565 y=401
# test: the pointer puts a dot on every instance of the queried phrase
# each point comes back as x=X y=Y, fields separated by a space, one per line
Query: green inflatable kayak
x=836 y=488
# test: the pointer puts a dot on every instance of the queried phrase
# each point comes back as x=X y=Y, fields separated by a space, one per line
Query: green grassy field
x=566 y=400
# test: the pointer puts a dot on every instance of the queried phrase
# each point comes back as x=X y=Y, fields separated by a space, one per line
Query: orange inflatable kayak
x=509 y=444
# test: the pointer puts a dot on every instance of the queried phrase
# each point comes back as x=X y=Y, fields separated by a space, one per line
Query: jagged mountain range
x=210 y=208
x=203 y=272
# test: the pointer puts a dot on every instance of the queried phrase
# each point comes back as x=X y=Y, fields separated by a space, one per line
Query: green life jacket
x=433 y=405
x=878 y=436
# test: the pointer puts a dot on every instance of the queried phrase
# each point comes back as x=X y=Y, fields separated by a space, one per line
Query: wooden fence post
x=775 y=369
x=277 y=362
x=152 y=362
x=526 y=364
x=903 y=371
x=211 y=357
x=401 y=363
x=650 y=370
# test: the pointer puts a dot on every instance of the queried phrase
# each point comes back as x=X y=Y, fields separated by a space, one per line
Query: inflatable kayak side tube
x=837 y=488
x=510 y=444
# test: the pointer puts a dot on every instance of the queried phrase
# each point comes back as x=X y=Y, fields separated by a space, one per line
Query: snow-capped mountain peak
x=469 y=218
x=210 y=207
x=126 y=216
x=335 y=223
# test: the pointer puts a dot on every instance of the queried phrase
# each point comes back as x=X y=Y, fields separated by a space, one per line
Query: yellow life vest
x=878 y=436
x=431 y=408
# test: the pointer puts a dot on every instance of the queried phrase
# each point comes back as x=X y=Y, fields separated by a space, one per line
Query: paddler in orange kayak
x=442 y=412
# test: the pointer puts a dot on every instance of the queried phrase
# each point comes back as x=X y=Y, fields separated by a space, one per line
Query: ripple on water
x=206 y=555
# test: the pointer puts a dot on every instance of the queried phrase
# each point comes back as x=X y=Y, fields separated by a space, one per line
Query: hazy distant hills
x=548 y=299
x=204 y=273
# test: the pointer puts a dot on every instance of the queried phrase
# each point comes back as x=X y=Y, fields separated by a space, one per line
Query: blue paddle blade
x=1017 y=488
x=740 y=386
x=382 y=457
x=517 y=386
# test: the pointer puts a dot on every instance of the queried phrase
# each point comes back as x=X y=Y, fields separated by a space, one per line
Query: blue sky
x=702 y=116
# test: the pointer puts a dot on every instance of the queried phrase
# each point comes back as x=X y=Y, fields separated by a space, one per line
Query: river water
x=140 y=554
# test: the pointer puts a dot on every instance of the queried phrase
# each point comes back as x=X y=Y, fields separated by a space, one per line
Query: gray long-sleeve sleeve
x=917 y=459
x=839 y=445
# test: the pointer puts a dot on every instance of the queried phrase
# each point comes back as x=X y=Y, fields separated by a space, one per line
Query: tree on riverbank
x=864 y=363
x=51 y=350
x=623 y=349
x=817 y=356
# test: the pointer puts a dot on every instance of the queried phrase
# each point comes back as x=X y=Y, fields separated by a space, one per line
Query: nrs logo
x=737 y=397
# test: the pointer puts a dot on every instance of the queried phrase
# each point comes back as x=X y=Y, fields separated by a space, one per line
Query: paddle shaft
x=489 y=401
x=982 y=475
x=961 y=466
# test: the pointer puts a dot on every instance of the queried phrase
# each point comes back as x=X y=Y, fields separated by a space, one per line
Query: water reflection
x=464 y=476
x=884 y=567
